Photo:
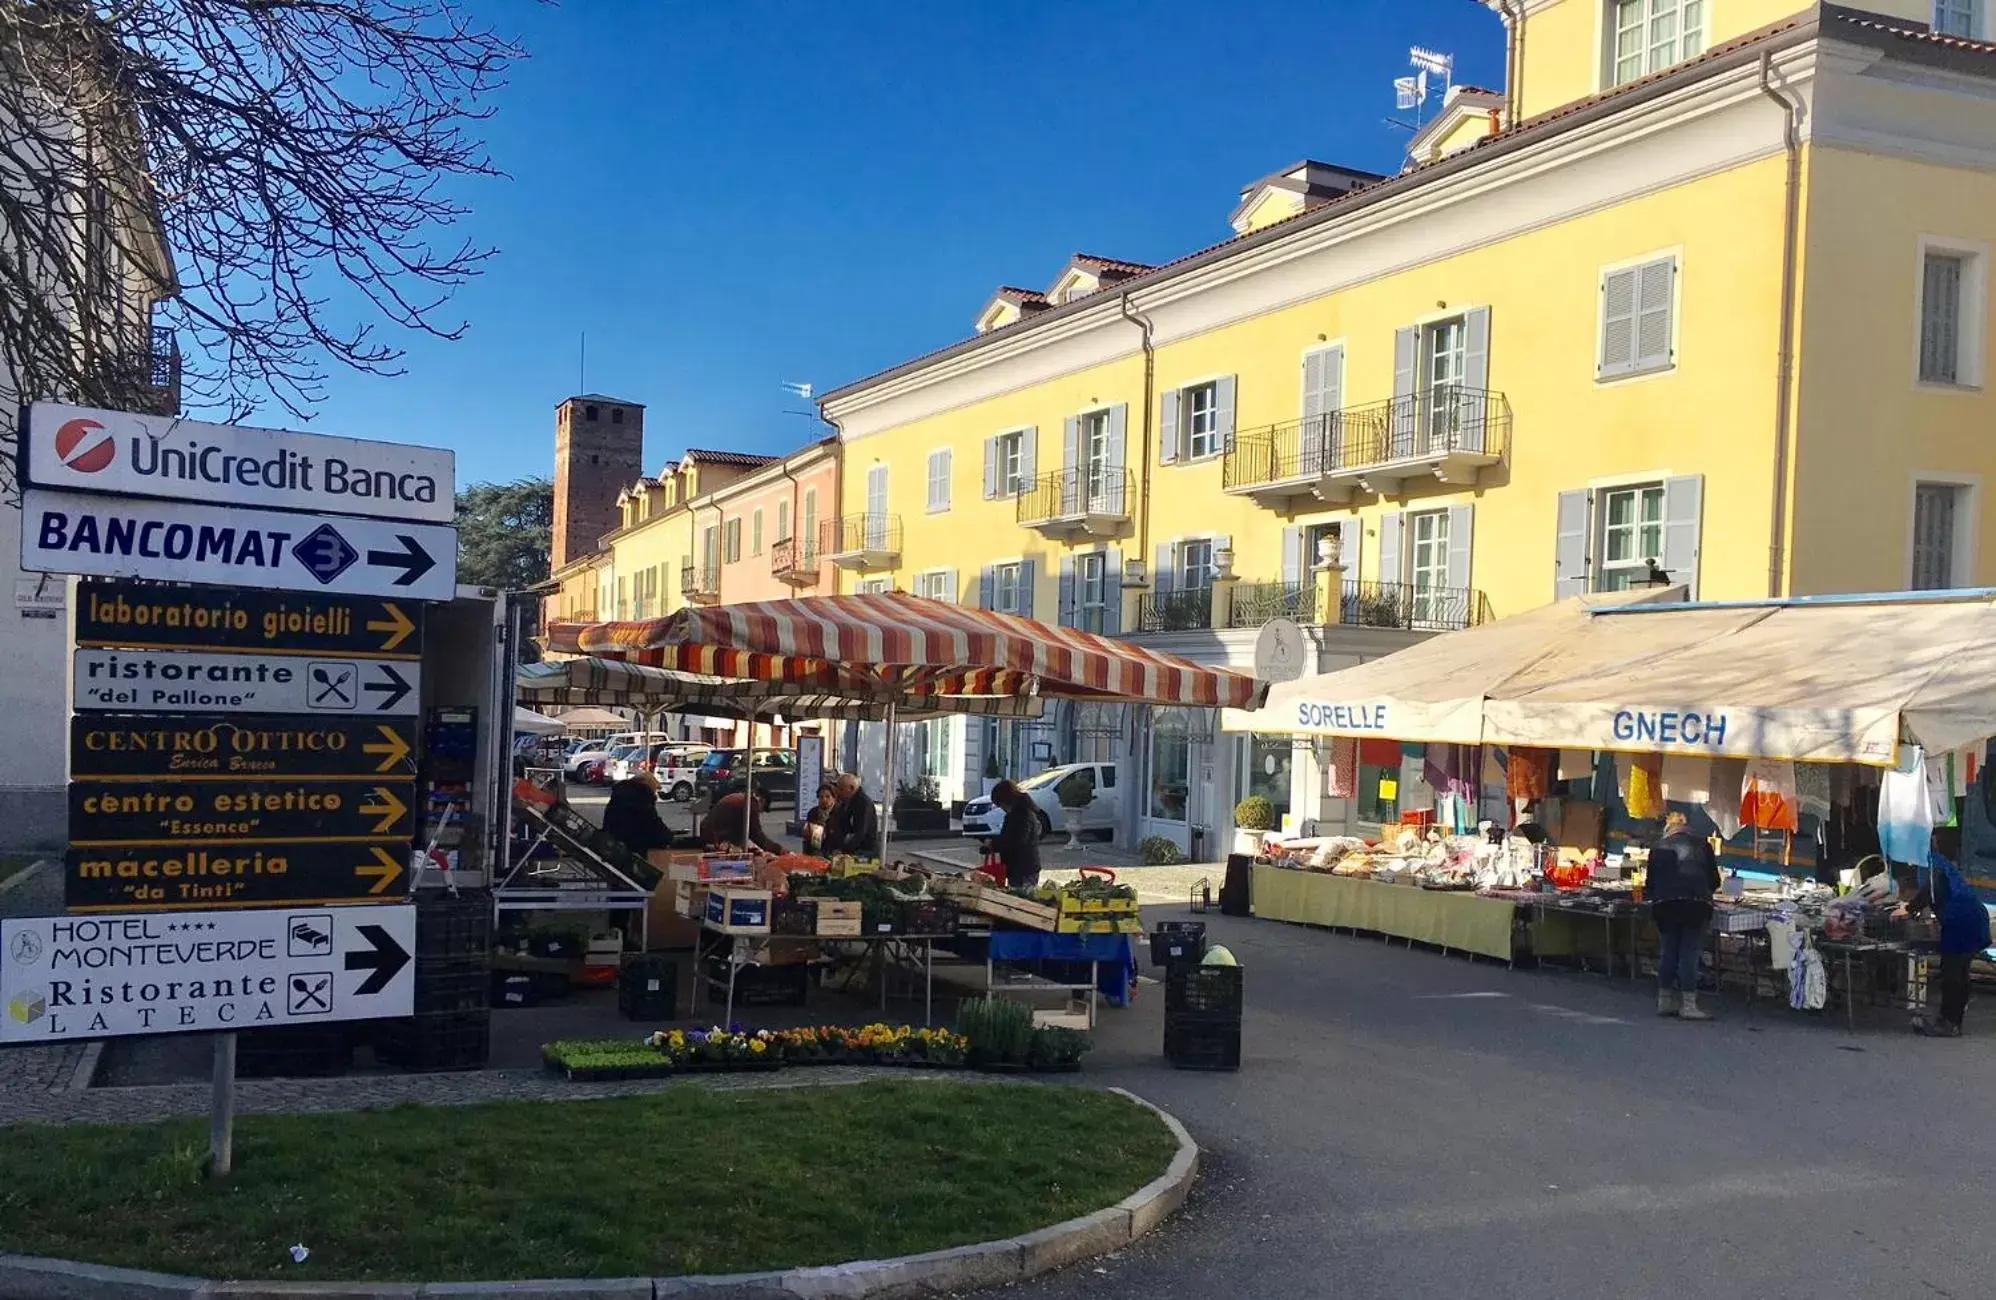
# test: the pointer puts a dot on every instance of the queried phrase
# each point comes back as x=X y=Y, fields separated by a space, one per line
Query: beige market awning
x=1830 y=679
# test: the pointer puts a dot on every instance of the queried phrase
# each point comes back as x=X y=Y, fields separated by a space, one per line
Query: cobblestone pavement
x=373 y=1092
x=35 y=891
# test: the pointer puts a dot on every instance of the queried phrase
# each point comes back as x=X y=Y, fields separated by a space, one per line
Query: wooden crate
x=1073 y=905
x=1010 y=907
x=837 y=919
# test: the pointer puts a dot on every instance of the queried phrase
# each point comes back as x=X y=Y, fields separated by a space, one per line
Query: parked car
x=673 y=763
x=721 y=773
x=588 y=757
x=981 y=818
x=602 y=770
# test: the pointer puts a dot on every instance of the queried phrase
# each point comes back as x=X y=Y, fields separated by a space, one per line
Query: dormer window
x=1651 y=35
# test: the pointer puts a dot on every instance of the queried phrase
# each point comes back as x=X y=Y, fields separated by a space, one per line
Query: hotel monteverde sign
x=207 y=747
x=227 y=812
x=116 y=452
x=150 y=680
x=64 y=978
x=182 y=541
x=181 y=875
x=137 y=616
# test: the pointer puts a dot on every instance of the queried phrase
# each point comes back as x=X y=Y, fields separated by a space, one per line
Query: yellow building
x=1704 y=289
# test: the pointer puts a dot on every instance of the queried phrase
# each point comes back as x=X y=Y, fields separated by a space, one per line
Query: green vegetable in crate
x=1218 y=956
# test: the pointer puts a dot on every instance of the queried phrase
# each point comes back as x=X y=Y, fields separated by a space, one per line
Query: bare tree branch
x=244 y=162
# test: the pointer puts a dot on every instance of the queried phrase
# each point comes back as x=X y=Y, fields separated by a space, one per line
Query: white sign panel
x=75 y=977
x=164 y=456
x=153 y=681
x=180 y=541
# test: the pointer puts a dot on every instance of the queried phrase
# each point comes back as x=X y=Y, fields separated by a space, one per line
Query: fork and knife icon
x=332 y=687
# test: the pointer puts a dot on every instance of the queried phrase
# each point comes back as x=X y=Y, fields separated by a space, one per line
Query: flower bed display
x=677 y=1051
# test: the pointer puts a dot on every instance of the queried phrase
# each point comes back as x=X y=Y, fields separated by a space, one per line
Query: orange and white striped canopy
x=900 y=642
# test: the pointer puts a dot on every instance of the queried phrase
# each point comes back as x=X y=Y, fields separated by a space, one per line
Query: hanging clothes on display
x=1906 y=811
x=1643 y=793
x=1942 y=788
x=1528 y=776
x=1687 y=778
x=1812 y=788
x=1341 y=772
x=1606 y=790
x=1453 y=769
x=1576 y=764
x=1379 y=753
x=1728 y=779
x=1767 y=795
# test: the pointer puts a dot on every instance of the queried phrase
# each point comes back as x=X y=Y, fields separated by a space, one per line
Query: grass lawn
x=15 y=863
x=684 y=1181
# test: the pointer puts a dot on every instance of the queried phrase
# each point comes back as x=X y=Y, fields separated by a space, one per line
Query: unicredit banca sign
x=85 y=450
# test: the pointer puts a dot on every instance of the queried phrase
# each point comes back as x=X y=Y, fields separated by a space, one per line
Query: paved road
x=1413 y=1125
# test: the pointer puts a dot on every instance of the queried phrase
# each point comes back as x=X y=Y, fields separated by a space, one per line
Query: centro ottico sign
x=117 y=452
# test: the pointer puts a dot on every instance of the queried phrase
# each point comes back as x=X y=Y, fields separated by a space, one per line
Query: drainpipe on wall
x=1127 y=810
x=1514 y=59
x=1777 y=542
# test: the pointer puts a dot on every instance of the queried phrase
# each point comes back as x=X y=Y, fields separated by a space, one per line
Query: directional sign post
x=169 y=877
x=211 y=747
x=68 y=978
x=151 y=680
x=212 y=813
x=136 y=616
x=180 y=541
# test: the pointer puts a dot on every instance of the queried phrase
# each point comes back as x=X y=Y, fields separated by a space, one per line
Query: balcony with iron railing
x=860 y=542
x=1076 y=502
x=145 y=376
x=1188 y=609
x=1449 y=433
x=699 y=581
x=1405 y=606
x=795 y=561
x=1255 y=603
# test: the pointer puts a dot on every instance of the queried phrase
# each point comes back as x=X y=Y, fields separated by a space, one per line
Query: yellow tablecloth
x=1462 y=921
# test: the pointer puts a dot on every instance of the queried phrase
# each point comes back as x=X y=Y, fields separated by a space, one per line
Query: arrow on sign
x=392 y=691
x=385 y=870
x=386 y=806
x=412 y=559
x=397 y=625
x=384 y=957
x=391 y=747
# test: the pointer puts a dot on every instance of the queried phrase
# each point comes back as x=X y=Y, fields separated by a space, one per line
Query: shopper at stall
x=1964 y=933
x=814 y=821
x=854 y=826
x=1018 y=841
x=1683 y=874
x=737 y=820
x=631 y=816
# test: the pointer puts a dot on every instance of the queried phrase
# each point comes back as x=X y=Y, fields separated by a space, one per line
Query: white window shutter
x=1167 y=427
x=1572 y=544
x=1655 y=294
x=1683 y=514
x=1461 y=524
x=1392 y=531
x=1223 y=409
x=1029 y=456
x=991 y=469
x=1618 y=323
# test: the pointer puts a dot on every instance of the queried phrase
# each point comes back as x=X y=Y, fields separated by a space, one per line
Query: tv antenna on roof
x=1410 y=94
x=799 y=390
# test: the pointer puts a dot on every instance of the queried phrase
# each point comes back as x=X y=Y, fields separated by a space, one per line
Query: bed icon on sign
x=309 y=935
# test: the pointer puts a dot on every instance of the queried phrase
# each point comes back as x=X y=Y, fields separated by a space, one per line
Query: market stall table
x=1449 y=919
x=875 y=948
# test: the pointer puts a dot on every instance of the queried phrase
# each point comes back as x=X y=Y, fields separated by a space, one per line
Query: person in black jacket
x=1683 y=875
x=854 y=826
x=1018 y=842
x=631 y=817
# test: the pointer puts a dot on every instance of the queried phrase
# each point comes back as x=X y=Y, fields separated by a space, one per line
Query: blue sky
x=724 y=195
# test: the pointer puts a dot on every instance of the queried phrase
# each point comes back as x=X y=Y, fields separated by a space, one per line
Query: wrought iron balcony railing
x=699 y=581
x=860 y=535
x=1256 y=603
x=1075 y=497
x=1444 y=428
x=1412 y=607
x=1175 y=611
x=794 y=560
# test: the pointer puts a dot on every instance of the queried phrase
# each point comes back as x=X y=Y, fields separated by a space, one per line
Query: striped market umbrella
x=621 y=684
x=902 y=645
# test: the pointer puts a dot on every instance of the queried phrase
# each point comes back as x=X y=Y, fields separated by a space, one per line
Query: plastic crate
x=1209 y=992
x=648 y=988
x=452 y=986
x=759 y=986
x=515 y=989
x=1177 y=941
x=453 y=1040
x=1201 y=1045
x=294 y=1052
x=793 y=917
x=928 y=916
x=454 y=927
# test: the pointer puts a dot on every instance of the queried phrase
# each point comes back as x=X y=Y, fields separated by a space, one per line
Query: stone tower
x=599 y=447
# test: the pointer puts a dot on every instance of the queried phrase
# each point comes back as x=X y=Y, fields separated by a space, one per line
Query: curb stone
x=935 y=1273
x=26 y=873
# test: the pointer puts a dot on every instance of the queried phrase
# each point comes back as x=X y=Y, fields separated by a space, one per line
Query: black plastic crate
x=514 y=989
x=452 y=986
x=459 y=926
x=453 y=1040
x=1177 y=941
x=760 y=986
x=793 y=917
x=1237 y=893
x=1209 y=992
x=648 y=988
x=1203 y=1045
x=294 y=1052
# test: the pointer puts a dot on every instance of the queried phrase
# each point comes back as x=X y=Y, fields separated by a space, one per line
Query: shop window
x=1268 y=762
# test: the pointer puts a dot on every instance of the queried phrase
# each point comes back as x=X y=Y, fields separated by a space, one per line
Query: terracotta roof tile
x=745 y=459
x=1112 y=264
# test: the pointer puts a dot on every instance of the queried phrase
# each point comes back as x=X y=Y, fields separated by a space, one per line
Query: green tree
x=504 y=538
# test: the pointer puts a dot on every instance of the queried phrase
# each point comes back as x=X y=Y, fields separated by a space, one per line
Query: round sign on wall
x=1279 y=651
